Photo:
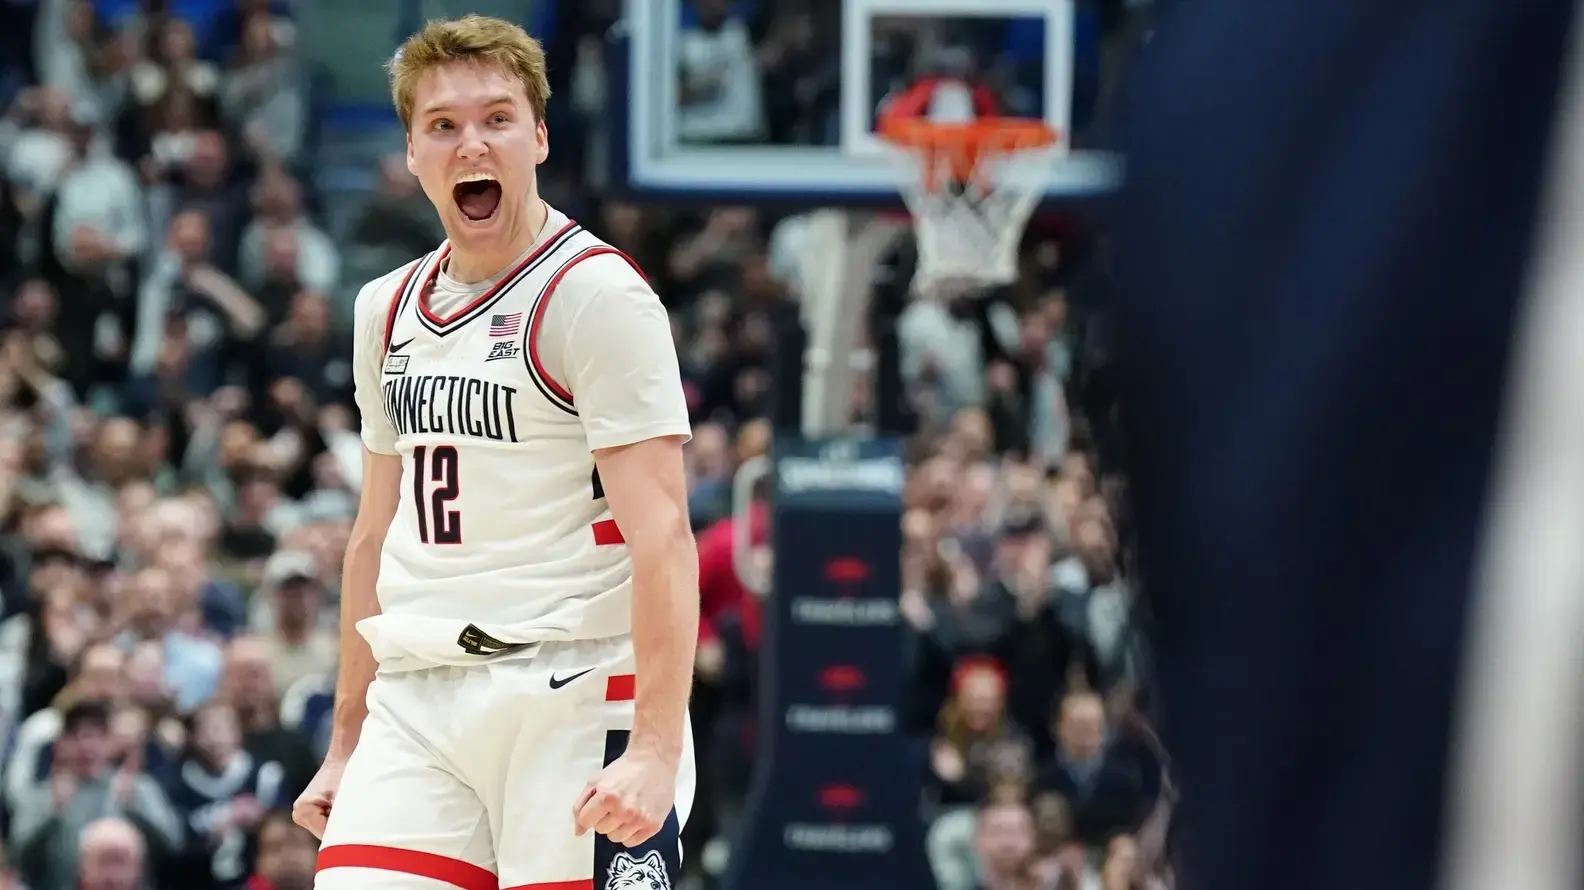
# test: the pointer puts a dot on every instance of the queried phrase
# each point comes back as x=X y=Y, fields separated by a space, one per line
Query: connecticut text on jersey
x=452 y=405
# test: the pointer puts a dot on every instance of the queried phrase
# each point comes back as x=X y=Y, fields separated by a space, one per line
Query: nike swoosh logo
x=557 y=683
x=398 y=347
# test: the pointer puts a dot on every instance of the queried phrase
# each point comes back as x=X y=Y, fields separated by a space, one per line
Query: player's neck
x=466 y=266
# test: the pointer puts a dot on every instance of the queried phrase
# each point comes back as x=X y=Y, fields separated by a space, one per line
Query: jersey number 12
x=438 y=521
x=438 y=465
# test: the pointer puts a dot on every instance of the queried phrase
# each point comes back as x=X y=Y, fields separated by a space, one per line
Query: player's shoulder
x=594 y=266
x=583 y=261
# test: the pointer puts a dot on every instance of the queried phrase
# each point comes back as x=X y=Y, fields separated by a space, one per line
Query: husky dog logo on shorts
x=627 y=873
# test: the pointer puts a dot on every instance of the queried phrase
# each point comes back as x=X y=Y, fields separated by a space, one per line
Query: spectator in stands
x=100 y=676
x=97 y=234
x=222 y=793
x=205 y=185
x=943 y=359
x=259 y=513
x=975 y=733
x=1004 y=847
x=58 y=637
x=260 y=96
x=250 y=687
x=1104 y=790
x=709 y=259
x=280 y=271
x=63 y=48
x=710 y=470
x=146 y=691
x=719 y=76
x=292 y=598
x=230 y=25
x=172 y=128
x=635 y=231
x=225 y=449
x=1095 y=601
x=87 y=488
x=396 y=224
x=1044 y=656
x=1055 y=848
x=113 y=857
x=302 y=348
x=42 y=149
x=215 y=606
x=286 y=855
x=977 y=755
x=191 y=318
x=277 y=208
x=156 y=615
x=173 y=65
x=801 y=76
x=51 y=821
x=33 y=318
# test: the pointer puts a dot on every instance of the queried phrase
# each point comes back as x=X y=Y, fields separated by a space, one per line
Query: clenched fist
x=629 y=800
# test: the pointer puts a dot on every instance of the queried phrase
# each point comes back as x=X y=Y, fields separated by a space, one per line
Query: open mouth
x=477 y=199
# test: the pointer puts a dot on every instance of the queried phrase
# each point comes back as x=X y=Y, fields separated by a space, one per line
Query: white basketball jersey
x=503 y=536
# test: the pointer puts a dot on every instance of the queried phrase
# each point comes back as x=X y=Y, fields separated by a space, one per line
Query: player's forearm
x=665 y=615
x=356 y=670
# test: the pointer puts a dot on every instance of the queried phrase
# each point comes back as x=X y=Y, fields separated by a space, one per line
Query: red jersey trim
x=443 y=869
x=399 y=298
x=553 y=389
x=496 y=290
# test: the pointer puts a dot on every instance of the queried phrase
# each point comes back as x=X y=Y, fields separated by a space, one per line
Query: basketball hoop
x=971 y=187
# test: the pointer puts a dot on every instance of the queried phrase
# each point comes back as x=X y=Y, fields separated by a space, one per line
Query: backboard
x=711 y=101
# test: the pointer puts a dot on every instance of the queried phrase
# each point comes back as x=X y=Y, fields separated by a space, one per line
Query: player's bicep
x=621 y=365
x=646 y=489
x=381 y=494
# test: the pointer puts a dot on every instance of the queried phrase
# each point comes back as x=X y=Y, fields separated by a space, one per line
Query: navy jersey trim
x=657 y=862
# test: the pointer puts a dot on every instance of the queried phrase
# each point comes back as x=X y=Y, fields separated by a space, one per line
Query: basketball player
x=1352 y=325
x=520 y=602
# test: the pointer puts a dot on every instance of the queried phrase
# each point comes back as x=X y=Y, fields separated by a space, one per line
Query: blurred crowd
x=1033 y=675
x=179 y=465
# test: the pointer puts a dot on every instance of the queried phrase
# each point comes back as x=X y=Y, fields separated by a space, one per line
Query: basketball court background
x=836 y=789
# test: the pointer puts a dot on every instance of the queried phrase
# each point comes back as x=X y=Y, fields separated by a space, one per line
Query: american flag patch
x=505 y=325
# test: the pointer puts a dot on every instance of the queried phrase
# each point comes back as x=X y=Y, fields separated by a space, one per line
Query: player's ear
x=542 y=143
x=412 y=163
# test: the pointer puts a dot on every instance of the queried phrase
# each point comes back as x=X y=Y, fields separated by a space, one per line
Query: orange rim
x=957 y=148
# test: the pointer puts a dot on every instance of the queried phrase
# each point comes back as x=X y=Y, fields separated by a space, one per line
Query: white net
x=968 y=230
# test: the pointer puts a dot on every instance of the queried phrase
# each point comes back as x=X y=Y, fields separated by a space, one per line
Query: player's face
x=474 y=145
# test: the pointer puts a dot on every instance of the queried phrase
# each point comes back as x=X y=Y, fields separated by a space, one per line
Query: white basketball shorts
x=465 y=777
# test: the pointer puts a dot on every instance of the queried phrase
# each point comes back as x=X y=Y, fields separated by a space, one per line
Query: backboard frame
x=858 y=141
x=647 y=163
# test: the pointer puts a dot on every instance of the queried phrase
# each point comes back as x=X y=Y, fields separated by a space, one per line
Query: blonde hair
x=475 y=38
